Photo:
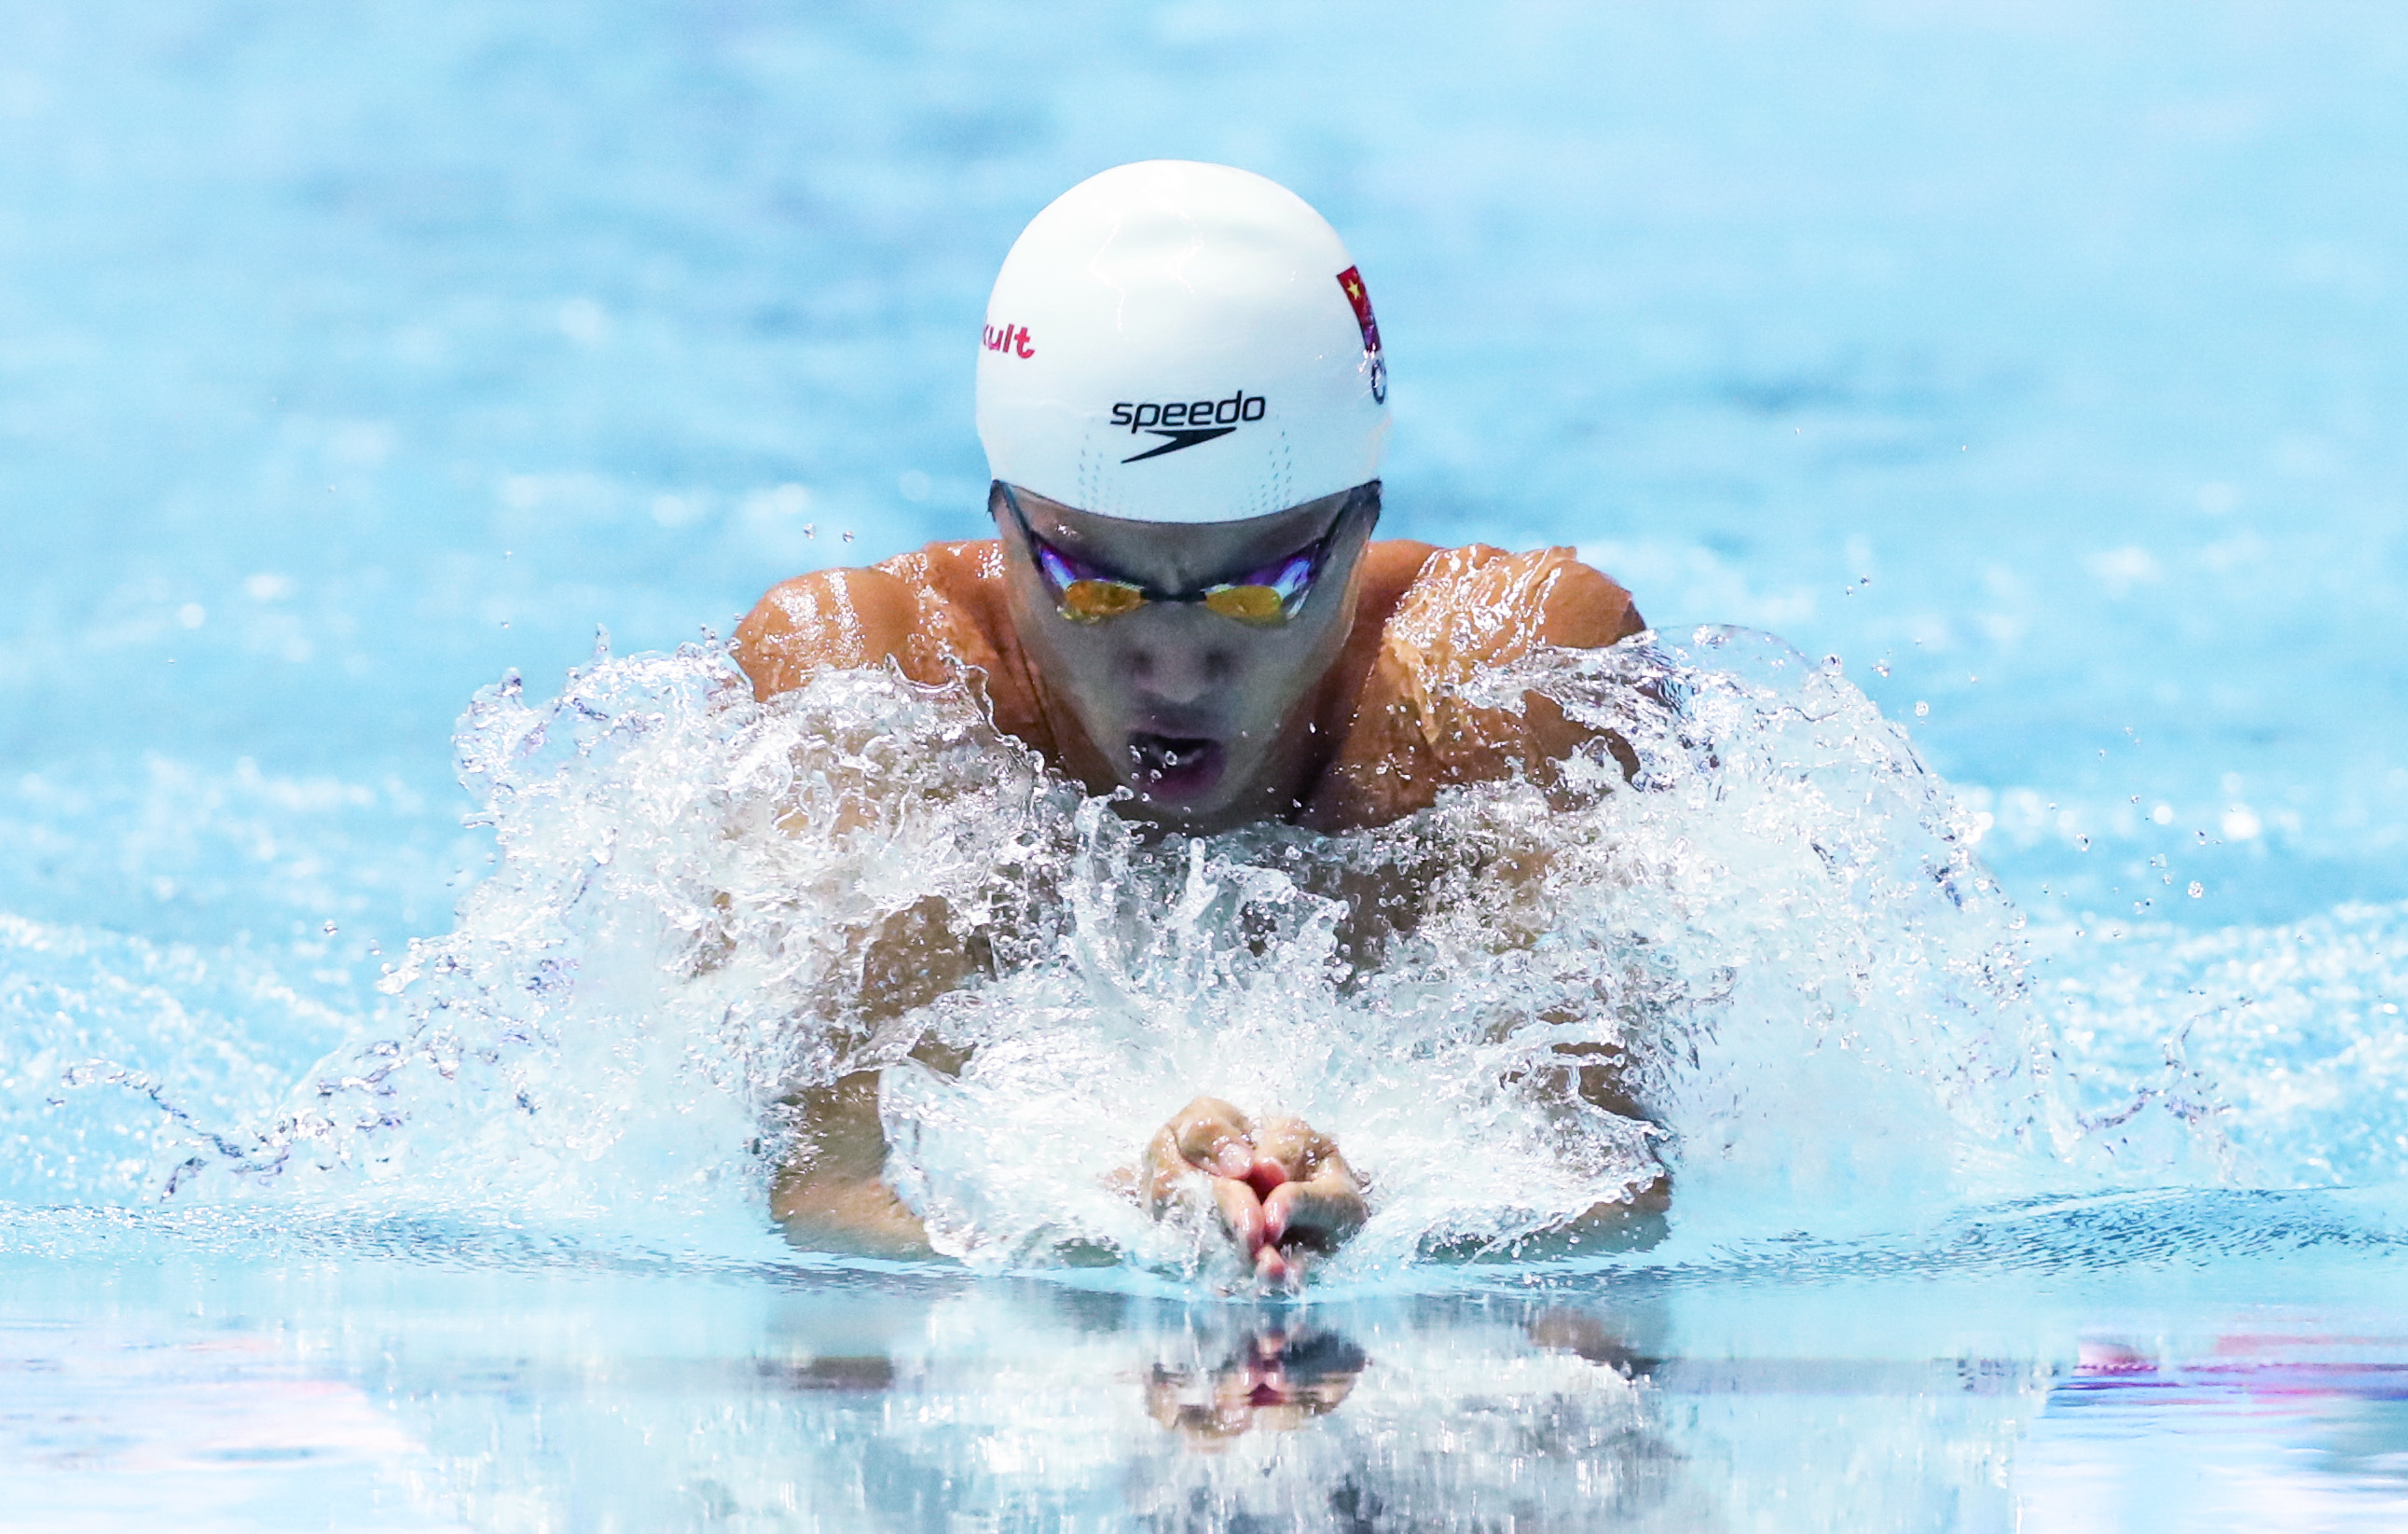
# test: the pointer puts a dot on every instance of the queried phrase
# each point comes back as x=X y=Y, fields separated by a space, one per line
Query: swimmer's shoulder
x=1390 y=567
x=1428 y=619
x=927 y=610
x=1479 y=603
x=1421 y=605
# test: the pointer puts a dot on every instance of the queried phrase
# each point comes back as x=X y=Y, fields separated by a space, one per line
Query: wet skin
x=1203 y=717
x=1207 y=723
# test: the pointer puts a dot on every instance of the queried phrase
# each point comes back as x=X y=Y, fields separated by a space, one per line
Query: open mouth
x=1171 y=766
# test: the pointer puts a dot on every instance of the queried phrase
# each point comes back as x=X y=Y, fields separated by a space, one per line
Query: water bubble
x=847 y=534
x=1880 y=667
x=2197 y=889
x=2081 y=844
x=1922 y=709
x=328 y=929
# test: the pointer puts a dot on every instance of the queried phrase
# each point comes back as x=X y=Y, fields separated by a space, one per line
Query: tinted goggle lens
x=1269 y=599
x=1261 y=605
x=1093 y=601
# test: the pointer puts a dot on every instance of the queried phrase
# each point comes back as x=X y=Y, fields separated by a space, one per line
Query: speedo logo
x=1186 y=422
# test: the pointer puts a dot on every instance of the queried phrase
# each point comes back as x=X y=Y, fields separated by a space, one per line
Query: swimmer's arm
x=1635 y=1221
x=829 y=618
x=832 y=1195
x=1579 y=608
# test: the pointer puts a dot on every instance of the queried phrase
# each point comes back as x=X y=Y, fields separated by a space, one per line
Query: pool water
x=401 y=983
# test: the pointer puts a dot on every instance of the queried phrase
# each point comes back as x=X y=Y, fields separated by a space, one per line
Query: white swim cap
x=1177 y=342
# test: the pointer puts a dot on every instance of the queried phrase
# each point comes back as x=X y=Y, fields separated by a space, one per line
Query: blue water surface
x=2041 y=365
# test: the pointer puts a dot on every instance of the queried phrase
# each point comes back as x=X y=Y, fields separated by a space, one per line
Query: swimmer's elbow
x=829 y=618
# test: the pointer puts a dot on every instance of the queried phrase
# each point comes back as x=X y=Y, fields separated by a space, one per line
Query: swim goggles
x=1266 y=597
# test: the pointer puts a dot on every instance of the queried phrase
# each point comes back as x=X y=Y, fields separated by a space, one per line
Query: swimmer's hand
x=1282 y=1189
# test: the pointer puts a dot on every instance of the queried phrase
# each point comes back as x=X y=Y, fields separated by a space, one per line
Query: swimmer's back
x=1425 y=619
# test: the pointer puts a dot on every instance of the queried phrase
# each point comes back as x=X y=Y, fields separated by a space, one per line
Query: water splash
x=2290 y=1036
x=703 y=906
x=117 y=1056
x=1766 y=962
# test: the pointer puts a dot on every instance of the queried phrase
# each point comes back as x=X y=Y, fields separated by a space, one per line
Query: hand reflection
x=1279 y=1378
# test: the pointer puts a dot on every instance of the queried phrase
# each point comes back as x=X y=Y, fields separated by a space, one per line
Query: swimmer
x=1184 y=402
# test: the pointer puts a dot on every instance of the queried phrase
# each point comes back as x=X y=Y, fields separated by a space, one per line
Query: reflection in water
x=1281 y=1378
x=582 y=1391
x=998 y=1406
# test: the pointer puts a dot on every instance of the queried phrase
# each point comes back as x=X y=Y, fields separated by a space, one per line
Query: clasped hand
x=1281 y=1188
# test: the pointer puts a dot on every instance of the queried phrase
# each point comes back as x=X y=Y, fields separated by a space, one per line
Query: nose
x=1180 y=666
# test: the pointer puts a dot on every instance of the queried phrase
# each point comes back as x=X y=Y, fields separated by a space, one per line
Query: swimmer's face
x=1204 y=716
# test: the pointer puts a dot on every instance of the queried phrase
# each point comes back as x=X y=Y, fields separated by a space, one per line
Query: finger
x=1281 y=1267
x=1163 y=1170
x=1241 y=1211
x=1327 y=1209
x=1213 y=1134
x=1263 y=1174
x=1296 y=1147
x=1275 y=1268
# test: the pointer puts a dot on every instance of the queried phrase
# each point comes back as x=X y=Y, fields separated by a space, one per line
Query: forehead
x=1175 y=555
